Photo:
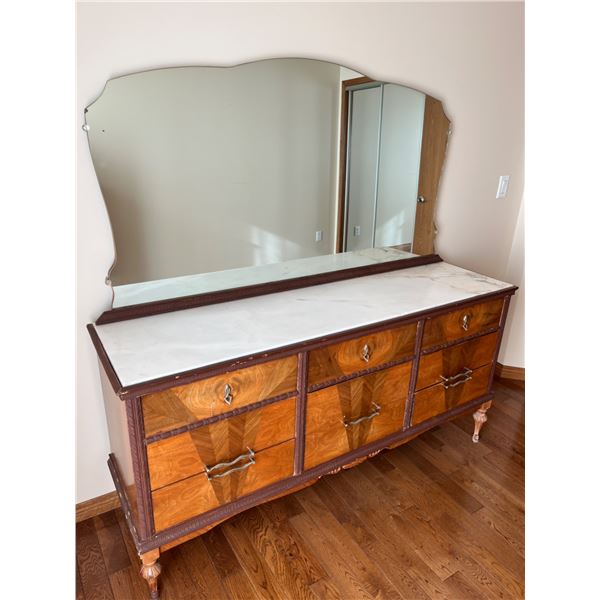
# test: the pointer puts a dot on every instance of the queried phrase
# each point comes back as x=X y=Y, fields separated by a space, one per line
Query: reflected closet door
x=362 y=164
x=398 y=169
x=385 y=132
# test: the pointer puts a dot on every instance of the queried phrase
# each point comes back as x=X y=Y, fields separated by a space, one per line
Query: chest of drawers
x=198 y=436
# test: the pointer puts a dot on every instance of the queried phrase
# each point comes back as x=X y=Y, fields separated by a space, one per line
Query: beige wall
x=512 y=352
x=469 y=55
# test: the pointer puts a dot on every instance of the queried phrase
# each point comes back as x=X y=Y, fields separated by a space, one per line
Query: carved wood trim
x=301 y=412
x=125 y=506
x=413 y=374
x=501 y=326
x=135 y=425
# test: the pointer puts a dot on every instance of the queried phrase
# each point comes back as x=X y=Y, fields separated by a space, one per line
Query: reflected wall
x=211 y=172
x=207 y=169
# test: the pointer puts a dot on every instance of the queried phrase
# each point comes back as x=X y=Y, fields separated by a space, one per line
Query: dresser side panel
x=120 y=446
x=501 y=329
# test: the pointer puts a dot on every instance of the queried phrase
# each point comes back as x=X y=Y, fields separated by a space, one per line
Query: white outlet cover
x=502 y=186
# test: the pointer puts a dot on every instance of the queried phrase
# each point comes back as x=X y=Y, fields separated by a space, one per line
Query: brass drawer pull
x=365 y=353
x=249 y=456
x=465 y=372
x=451 y=385
x=458 y=379
x=465 y=322
x=227 y=395
x=368 y=417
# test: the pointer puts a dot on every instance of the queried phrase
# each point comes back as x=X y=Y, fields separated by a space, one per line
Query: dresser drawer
x=365 y=352
x=437 y=399
x=450 y=362
x=349 y=415
x=189 y=453
x=197 y=494
x=462 y=323
x=199 y=400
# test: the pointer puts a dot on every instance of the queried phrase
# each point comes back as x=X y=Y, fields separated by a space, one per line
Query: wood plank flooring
x=439 y=517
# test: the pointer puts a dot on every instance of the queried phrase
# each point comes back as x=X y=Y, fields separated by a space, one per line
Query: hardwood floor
x=439 y=517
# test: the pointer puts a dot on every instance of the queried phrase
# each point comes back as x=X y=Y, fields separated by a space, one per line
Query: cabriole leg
x=151 y=570
x=480 y=418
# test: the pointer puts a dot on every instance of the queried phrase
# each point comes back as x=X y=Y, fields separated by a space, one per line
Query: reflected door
x=363 y=161
x=385 y=131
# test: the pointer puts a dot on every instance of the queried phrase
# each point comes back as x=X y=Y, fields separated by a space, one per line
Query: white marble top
x=189 y=285
x=152 y=347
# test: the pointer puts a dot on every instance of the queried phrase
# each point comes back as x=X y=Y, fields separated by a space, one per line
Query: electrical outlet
x=356 y=230
x=318 y=235
x=502 y=186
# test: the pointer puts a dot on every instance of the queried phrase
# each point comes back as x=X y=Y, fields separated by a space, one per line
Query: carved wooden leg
x=151 y=570
x=480 y=418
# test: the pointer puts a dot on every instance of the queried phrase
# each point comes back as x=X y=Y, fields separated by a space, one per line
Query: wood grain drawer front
x=351 y=414
x=185 y=404
x=437 y=399
x=361 y=353
x=195 y=495
x=462 y=323
x=450 y=363
x=189 y=453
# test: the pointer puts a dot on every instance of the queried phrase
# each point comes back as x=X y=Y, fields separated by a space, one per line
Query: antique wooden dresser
x=217 y=408
x=278 y=310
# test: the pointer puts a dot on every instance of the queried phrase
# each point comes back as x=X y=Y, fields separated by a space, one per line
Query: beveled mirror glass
x=221 y=177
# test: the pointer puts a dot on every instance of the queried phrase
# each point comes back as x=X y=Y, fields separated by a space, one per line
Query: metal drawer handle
x=465 y=372
x=365 y=353
x=465 y=322
x=451 y=385
x=227 y=395
x=368 y=417
x=249 y=456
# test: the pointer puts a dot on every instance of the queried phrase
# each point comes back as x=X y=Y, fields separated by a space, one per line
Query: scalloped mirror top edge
x=216 y=178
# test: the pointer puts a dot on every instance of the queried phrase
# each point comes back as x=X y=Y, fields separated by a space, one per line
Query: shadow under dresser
x=215 y=409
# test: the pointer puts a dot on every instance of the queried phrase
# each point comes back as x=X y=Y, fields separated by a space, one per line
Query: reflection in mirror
x=209 y=172
x=206 y=283
x=385 y=128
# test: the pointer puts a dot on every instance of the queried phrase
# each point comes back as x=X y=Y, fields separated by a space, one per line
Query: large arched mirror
x=218 y=178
